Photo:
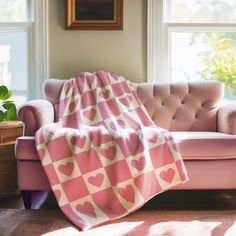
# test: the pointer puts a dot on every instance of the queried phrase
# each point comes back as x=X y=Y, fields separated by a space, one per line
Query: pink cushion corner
x=205 y=145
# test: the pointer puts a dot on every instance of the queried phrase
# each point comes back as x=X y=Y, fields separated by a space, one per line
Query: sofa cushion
x=205 y=145
x=192 y=146
x=25 y=148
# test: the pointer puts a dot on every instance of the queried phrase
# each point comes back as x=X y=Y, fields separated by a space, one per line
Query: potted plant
x=7 y=108
x=10 y=129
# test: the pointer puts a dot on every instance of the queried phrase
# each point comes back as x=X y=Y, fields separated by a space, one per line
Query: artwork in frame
x=94 y=14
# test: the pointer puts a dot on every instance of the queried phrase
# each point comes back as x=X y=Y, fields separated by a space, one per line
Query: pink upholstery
x=25 y=148
x=202 y=174
x=192 y=145
x=35 y=114
x=206 y=145
x=202 y=128
x=182 y=106
x=35 y=179
x=52 y=90
x=227 y=118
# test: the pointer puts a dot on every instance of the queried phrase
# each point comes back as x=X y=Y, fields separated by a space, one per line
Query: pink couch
x=204 y=132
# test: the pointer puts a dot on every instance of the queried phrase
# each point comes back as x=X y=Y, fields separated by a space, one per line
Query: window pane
x=200 y=11
x=13 y=10
x=205 y=56
x=13 y=72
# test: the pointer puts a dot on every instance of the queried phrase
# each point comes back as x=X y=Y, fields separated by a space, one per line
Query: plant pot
x=9 y=131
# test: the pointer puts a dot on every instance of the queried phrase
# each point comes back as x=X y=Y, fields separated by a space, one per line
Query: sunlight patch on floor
x=179 y=228
x=116 y=229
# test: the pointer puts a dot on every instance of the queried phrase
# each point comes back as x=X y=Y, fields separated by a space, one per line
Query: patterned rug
x=141 y=223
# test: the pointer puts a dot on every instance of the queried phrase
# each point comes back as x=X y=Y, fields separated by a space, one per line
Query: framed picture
x=94 y=14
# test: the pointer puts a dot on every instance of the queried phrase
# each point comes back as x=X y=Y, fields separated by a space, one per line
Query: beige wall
x=123 y=51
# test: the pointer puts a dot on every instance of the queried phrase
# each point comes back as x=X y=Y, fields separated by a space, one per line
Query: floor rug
x=18 y=222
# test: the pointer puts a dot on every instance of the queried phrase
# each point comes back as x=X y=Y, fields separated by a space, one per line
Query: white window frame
x=37 y=56
x=159 y=39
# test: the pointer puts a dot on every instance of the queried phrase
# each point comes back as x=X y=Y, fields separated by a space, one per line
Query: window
x=23 y=47
x=13 y=11
x=193 y=40
x=13 y=67
x=13 y=50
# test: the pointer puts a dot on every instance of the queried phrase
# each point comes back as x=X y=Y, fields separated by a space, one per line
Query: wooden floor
x=48 y=219
x=20 y=222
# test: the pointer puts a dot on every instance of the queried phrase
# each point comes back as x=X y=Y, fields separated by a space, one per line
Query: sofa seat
x=205 y=145
x=192 y=146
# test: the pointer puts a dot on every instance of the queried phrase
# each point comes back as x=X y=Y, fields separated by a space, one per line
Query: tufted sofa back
x=182 y=106
x=179 y=106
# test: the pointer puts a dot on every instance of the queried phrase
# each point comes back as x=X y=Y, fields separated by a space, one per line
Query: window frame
x=159 y=39
x=36 y=34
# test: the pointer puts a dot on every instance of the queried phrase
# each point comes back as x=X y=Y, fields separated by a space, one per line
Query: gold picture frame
x=94 y=15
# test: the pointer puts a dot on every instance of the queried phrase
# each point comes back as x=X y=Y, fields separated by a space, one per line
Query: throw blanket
x=105 y=157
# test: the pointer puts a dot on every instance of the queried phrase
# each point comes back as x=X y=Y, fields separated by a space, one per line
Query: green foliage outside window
x=220 y=61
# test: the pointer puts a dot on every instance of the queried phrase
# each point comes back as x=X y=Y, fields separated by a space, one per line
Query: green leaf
x=8 y=101
x=11 y=113
x=8 y=105
x=2 y=116
x=3 y=91
x=7 y=95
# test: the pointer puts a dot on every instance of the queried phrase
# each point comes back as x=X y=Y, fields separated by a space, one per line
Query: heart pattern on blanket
x=121 y=123
x=104 y=149
x=109 y=153
x=41 y=153
x=168 y=137
x=72 y=106
x=105 y=94
x=90 y=80
x=96 y=180
x=90 y=114
x=127 y=193
x=175 y=147
x=57 y=193
x=139 y=164
x=134 y=144
x=67 y=168
x=78 y=141
x=126 y=100
x=51 y=130
x=115 y=76
x=152 y=137
x=167 y=175
x=87 y=209
x=67 y=88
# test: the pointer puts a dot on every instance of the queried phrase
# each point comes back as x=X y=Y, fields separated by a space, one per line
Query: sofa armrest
x=227 y=118
x=35 y=114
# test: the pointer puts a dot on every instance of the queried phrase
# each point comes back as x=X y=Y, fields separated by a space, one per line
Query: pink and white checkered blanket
x=105 y=157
